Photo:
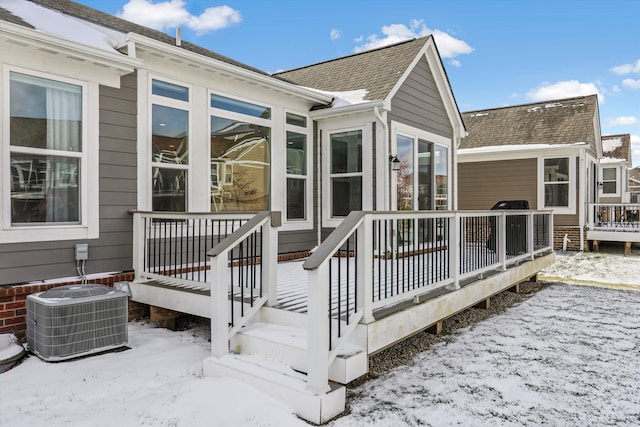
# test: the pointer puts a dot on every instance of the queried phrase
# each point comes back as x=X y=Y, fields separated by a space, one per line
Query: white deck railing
x=375 y=260
x=617 y=217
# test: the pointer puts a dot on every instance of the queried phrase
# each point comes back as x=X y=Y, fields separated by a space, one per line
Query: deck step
x=281 y=382
x=289 y=345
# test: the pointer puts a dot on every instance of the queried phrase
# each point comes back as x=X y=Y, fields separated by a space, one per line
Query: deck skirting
x=398 y=326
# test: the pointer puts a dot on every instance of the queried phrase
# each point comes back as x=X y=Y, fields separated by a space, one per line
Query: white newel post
x=364 y=268
x=220 y=305
x=270 y=256
x=138 y=245
x=318 y=330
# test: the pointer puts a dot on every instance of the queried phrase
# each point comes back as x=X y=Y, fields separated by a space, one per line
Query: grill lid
x=76 y=291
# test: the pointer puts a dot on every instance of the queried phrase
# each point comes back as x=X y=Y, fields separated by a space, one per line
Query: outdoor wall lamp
x=395 y=163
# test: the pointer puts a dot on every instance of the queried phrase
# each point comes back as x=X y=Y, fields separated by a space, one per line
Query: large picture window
x=345 y=172
x=422 y=181
x=169 y=146
x=240 y=155
x=45 y=150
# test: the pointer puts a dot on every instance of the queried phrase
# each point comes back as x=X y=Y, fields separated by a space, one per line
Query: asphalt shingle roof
x=563 y=121
x=621 y=151
x=376 y=70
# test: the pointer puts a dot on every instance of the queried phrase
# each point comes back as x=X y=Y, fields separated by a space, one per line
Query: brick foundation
x=574 y=235
x=13 y=301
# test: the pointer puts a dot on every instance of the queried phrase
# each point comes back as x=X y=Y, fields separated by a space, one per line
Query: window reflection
x=240 y=165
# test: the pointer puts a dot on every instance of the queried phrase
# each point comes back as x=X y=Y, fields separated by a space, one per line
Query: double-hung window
x=297 y=157
x=557 y=184
x=46 y=151
x=170 y=126
x=345 y=174
x=240 y=155
x=609 y=181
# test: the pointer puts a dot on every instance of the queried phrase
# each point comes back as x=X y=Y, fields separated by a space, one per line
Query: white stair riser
x=317 y=409
x=342 y=370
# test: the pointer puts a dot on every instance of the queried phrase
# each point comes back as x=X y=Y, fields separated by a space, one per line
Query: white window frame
x=571 y=209
x=88 y=226
x=618 y=182
x=171 y=103
x=367 y=196
x=416 y=134
x=307 y=223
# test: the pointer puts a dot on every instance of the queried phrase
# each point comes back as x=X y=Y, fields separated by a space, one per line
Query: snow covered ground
x=569 y=355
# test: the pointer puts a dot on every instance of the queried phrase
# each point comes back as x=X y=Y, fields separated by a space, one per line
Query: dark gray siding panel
x=112 y=251
x=419 y=104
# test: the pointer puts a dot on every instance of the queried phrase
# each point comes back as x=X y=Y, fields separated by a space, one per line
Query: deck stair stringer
x=281 y=382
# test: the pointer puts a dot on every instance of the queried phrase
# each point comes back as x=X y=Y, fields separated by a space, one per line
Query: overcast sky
x=496 y=52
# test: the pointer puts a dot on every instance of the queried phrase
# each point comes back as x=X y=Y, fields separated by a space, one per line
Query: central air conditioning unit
x=76 y=320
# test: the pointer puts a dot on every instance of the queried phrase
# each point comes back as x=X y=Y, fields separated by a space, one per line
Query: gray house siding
x=418 y=103
x=112 y=251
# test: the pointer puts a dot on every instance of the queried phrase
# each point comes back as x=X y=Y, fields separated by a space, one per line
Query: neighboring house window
x=240 y=155
x=422 y=182
x=297 y=157
x=345 y=174
x=169 y=145
x=45 y=150
x=609 y=181
x=557 y=184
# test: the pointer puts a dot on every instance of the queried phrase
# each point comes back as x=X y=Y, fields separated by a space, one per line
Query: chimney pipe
x=178 y=36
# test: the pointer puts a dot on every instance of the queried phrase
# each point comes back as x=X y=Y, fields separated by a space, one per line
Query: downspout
x=386 y=153
x=582 y=199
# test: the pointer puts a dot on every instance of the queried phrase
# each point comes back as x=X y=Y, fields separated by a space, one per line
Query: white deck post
x=455 y=254
x=318 y=330
x=220 y=305
x=502 y=239
x=270 y=256
x=138 y=245
x=364 y=268
x=530 y=231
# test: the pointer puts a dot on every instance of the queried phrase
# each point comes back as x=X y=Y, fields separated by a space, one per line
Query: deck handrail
x=228 y=301
x=404 y=245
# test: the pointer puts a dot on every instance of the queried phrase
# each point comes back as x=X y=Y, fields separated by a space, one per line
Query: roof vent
x=178 y=36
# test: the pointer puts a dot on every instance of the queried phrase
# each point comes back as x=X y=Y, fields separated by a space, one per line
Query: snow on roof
x=67 y=27
x=609 y=145
x=517 y=147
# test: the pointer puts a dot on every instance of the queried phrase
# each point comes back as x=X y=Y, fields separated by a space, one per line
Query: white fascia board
x=167 y=50
x=501 y=152
x=27 y=37
x=328 y=113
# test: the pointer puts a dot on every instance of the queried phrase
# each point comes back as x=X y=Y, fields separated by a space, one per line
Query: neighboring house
x=614 y=169
x=546 y=153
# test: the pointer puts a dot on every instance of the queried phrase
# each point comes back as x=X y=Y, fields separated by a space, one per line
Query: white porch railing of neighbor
x=375 y=260
x=614 y=217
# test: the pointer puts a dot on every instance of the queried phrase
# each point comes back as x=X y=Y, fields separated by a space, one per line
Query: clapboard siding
x=418 y=103
x=482 y=184
x=112 y=251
